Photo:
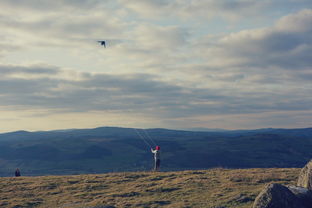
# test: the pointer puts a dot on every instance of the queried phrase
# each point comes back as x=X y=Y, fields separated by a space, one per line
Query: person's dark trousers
x=157 y=165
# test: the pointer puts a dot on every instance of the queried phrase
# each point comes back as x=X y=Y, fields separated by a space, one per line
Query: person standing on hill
x=156 y=153
x=17 y=172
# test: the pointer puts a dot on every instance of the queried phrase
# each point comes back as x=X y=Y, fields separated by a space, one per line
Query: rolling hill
x=112 y=149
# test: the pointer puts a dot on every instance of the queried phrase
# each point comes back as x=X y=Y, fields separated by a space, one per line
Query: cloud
x=168 y=68
x=58 y=23
x=207 y=10
x=286 y=45
x=90 y=92
x=50 y=5
x=33 y=70
x=140 y=93
x=160 y=37
x=159 y=47
x=196 y=9
x=6 y=48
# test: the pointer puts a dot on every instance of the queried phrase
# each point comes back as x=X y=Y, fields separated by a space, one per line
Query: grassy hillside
x=202 y=188
x=107 y=149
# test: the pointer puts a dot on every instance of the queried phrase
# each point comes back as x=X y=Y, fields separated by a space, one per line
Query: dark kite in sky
x=102 y=42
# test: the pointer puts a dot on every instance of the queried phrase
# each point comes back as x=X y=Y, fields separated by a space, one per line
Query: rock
x=304 y=194
x=277 y=196
x=241 y=198
x=305 y=176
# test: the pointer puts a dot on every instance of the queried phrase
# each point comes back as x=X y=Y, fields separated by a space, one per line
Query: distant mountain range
x=110 y=149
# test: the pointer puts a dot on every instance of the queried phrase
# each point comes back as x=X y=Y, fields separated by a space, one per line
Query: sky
x=179 y=64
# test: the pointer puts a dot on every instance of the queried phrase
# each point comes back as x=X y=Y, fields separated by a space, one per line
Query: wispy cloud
x=196 y=9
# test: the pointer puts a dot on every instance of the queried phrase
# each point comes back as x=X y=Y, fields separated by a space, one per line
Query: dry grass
x=204 y=188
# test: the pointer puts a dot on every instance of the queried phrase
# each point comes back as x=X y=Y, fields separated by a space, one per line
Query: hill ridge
x=107 y=149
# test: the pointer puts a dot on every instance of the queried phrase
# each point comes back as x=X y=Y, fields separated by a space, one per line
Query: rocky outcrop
x=303 y=194
x=277 y=196
x=305 y=176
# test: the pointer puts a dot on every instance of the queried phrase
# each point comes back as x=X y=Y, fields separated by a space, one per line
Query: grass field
x=201 y=188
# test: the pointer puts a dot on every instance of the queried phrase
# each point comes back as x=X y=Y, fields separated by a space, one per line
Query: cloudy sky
x=232 y=64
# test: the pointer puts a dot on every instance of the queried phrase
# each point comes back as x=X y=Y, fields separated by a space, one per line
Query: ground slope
x=201 y=188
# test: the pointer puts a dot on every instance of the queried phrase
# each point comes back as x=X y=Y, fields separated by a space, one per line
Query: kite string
x=148 y=136
x=138 y=133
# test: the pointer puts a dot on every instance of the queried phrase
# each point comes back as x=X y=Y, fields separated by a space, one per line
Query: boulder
x=303 y=194
x=277 y=196
x=305 y=176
